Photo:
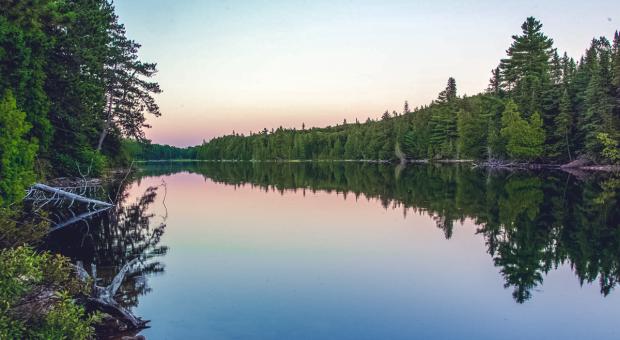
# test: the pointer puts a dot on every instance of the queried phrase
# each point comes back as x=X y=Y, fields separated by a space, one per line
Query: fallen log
x=70 y=196
x=102 y=298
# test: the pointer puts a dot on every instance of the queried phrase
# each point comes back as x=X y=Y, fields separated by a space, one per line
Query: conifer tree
x=385 y=115
x=563 y=129
x=449 y=94
x=525 y=70
x=129 y=92
x=495 y=82
x=615 y=80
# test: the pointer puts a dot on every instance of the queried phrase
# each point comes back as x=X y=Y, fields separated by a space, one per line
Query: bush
x=16 y=153
x=610 y=150
x=23 y=271
x=66 y=321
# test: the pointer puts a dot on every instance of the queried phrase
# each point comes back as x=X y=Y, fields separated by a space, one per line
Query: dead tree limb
x=68 y=195
x=102 y=298
x=78 y=218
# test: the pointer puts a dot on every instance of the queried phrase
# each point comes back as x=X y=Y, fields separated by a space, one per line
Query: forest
x=72 y=87
x=540 y=106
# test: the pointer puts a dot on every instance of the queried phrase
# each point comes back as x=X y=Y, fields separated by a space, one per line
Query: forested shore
x=540 y=107
x=72 y=87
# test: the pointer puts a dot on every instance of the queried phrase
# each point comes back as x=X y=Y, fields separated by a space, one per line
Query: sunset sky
x=246 y=65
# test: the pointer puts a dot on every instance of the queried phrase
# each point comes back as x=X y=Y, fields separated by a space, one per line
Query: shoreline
x=496 y=165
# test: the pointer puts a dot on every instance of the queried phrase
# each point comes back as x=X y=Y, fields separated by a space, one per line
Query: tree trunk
x=106 y=127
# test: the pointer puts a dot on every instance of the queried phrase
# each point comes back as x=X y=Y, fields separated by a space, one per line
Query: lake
x=361 y=251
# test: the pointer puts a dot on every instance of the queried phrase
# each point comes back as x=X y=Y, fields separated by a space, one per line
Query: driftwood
x=102 y=298
x=70 y=196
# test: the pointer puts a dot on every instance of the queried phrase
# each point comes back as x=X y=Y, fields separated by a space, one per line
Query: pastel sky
x=246 y=65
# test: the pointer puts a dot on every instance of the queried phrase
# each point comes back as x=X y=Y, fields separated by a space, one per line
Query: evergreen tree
x=75 y=85
x=525 y=70
x=128 y=88
x=495 y=83
x=449 y=94
x=615 y=80
x=563 y=129
x=24 y=46
x=385 y=115
x=595 y=103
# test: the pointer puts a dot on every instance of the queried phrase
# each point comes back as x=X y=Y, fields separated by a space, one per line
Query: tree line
x=540 y=106
x=71 y=88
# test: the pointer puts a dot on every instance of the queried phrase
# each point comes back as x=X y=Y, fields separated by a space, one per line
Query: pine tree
x=129 y=91
x=525 y=70
x=75 y=84
x=597 y=116
x=385 y=115
x=406 y=108
x=495 y=83
x=563 y=129
x=449 y=94
x=615 y=80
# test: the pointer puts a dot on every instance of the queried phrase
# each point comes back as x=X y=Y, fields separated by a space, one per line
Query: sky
x=248 y=65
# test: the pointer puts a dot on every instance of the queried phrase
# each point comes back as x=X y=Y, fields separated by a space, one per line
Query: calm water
x=361 y=251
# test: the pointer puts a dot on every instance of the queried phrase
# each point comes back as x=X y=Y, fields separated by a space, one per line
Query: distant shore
x=497 y=165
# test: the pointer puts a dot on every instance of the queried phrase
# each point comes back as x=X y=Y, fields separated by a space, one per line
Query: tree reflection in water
x=532 y=222
x=111 y=239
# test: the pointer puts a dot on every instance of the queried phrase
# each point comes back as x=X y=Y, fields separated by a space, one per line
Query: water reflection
x=531 y=222
x=115 y=237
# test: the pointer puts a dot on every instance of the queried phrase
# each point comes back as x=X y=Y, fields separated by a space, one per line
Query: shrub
x=610 y=150
x=23 y=271
x=16 y=153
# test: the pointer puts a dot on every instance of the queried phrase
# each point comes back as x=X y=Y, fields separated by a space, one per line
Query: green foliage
x=525 y=70
x=24 y=45
x=67 y=321
x=16 y=151
x=77 y=77
x=563 y=131
x=22 y=272
x=611 y=150
x=524 y=140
